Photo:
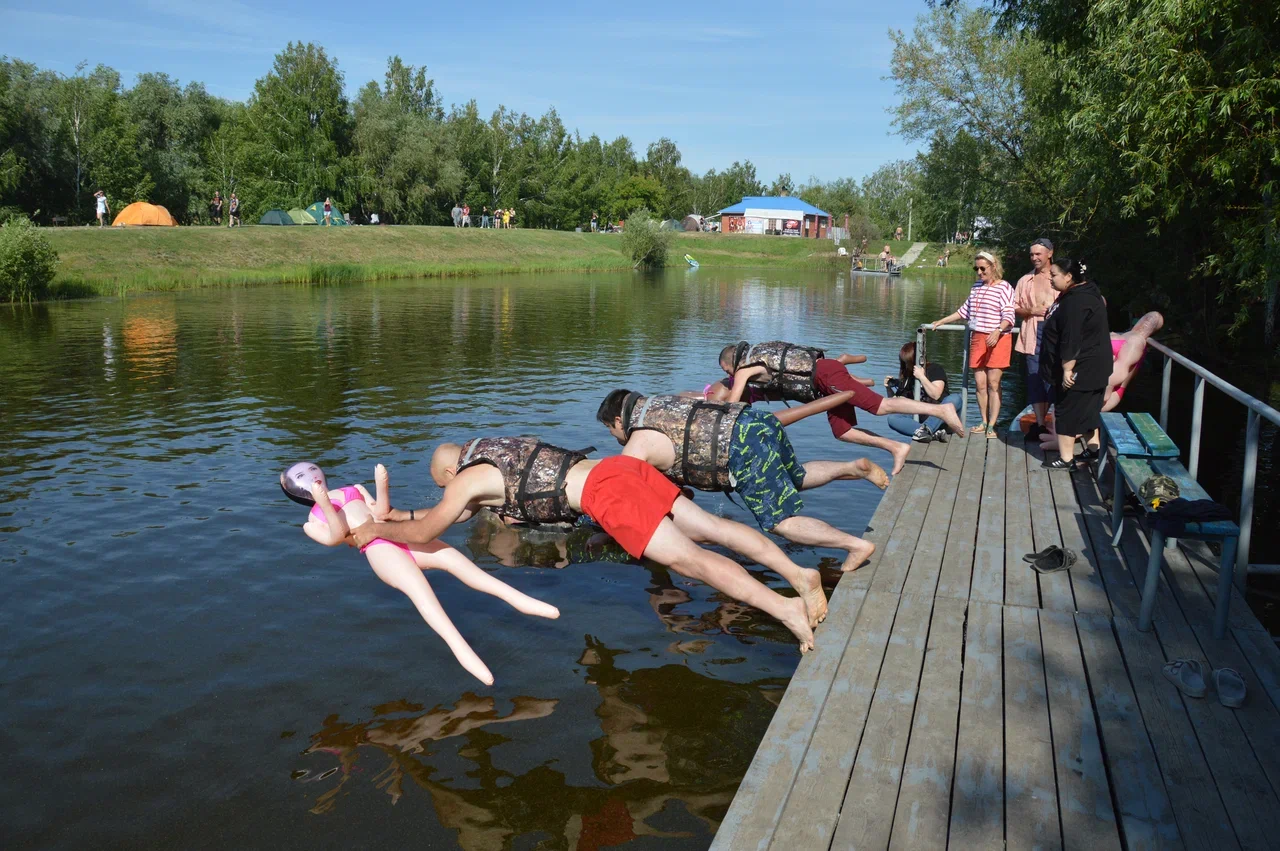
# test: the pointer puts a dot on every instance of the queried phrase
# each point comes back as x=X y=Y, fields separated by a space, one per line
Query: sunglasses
x=979 y=268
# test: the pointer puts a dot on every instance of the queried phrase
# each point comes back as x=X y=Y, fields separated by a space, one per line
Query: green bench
x=1130 y=474
x=1131 y=436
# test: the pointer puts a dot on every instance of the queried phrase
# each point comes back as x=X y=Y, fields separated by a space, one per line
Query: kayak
x=691 y=261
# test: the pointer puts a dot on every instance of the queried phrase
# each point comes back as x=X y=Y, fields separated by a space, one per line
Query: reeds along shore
x=119 y=261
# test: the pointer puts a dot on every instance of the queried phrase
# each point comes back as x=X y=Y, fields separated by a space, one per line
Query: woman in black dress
x=1076 y=357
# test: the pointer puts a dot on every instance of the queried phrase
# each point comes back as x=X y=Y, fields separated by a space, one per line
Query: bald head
x=444 y=463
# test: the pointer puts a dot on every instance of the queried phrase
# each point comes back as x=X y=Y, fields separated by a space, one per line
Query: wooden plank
x=808 y=817
x=1197 y=597
x=1264 y=658
x=866 y=816
x=957 y=559
x=922 y=811
x=1251 y=804
x=1145 y=812
x=1258 y=717
x=1124 y=594
x=1086 y=577
x=977 y=798
x=1084 y=794
x=1205 y=564
x=753 y=814
x=988 y=556
x=1121 y=436
x=1020 y=586
x=884 y=521
x=1157 y=443
x=1055 y=588
x=926 y=564
x=1197 y=807
x=892 y=572
x=1030 y=788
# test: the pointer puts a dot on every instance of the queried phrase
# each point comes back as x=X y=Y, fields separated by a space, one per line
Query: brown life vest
x=700 y=431
x=790 y=369
x=533 y=476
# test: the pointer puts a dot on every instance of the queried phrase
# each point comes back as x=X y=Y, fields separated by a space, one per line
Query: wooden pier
x=956 y=699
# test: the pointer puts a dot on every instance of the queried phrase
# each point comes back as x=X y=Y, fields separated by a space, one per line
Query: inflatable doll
x=335 y=512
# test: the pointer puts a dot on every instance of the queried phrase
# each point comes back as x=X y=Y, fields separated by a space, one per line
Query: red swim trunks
x=628 y=498
x=830 y=377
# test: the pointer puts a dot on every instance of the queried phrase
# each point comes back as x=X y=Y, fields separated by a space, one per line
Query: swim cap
x=296 y=482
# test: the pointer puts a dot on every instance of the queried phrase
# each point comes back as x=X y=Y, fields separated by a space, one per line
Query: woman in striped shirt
x=989 y=312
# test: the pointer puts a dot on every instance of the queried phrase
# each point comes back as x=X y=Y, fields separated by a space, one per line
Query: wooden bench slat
x=1158 y=444
x=1121 y=436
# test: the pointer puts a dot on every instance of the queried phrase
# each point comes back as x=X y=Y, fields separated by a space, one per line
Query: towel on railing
x=1173 y=515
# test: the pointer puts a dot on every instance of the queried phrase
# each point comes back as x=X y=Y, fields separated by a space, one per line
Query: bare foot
x=815 y=600
x=952 y=419
x=859 y=553
x=796 y=619
x=873 y=472
x=899 y=452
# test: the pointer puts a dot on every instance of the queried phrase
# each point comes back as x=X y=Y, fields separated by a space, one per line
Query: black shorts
x=1078 y=412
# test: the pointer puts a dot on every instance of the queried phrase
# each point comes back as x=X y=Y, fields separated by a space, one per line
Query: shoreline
x=120 y=261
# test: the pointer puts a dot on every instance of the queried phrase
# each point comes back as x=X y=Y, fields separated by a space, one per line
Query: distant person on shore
x=897 y=234
x=945 y=259
x=1032 y=298
x=595 y=222
x=328 y=211
x=466 y=215
x=456 y=214
x=933 y=388
x=484 y=216
x=884 y=258
x=215 y=208
x=104 y=209
x=506 y=218
x=233 y=211
x=989 y=313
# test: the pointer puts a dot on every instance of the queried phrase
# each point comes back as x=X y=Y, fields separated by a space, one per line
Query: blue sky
x=791 y=86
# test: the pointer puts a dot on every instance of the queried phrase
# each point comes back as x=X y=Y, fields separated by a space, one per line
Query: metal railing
x=1258 y=410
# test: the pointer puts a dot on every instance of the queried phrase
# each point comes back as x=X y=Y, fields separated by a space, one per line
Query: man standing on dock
x=1032 y=299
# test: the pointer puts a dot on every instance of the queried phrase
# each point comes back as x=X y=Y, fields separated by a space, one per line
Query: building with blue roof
x=782 y=215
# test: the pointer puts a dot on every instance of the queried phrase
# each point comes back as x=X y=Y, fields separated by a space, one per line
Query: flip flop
x=1055 y=562
x=1047 y=551
x=1230 y=687
x=1187 y=675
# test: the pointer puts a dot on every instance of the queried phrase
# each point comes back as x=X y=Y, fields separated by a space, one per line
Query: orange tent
x=142 y=213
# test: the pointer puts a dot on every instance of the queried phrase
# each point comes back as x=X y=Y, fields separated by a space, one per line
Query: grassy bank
x=119 y=261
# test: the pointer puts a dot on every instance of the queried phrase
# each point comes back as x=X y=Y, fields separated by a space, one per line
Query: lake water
x=183 y=668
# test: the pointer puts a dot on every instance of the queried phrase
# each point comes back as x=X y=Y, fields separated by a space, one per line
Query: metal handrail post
x=1164 y=393
x=964 y=386
x=919 y=362
x=1197 y=415
x=1246 y=498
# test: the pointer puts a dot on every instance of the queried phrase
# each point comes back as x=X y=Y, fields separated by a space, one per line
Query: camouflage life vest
x=700 y=431
x=533 y=475
x=790 y=369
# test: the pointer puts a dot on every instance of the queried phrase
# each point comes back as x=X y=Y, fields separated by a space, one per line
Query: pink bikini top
x=348 y=494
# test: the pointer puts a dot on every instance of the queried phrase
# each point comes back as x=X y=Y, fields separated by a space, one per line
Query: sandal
x=1047 y=551
x=1187 y=675
x=992 y=434
x=1055 y=562
x=1230 y=687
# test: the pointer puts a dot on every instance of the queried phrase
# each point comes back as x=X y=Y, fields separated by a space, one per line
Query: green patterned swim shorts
x=764 y=467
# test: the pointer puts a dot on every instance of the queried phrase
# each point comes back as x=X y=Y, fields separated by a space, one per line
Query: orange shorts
x=982 y=357
x=628 y=498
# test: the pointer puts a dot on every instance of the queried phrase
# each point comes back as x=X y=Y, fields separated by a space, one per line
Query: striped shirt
x=987 y=306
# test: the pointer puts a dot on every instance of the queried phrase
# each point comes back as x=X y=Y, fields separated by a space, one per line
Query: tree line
x=1142 y=135
x=393 y=149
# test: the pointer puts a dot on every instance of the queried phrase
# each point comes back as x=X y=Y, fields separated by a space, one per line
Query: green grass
x=120 y=261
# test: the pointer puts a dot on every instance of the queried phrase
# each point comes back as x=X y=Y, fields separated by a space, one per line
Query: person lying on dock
x=732 y=447
x=536 y=482
x=803 y=374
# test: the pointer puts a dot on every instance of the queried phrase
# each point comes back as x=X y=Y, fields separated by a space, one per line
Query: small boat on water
x=893 y=272
x=692 y=263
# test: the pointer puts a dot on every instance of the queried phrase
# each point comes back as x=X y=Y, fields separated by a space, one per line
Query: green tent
x=276 y=217
x=316 y=211
x=301 y=216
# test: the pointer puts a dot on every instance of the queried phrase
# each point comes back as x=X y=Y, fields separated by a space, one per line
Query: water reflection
x=664 y=761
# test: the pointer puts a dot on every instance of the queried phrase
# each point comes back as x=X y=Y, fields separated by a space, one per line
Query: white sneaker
x=922 y=435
